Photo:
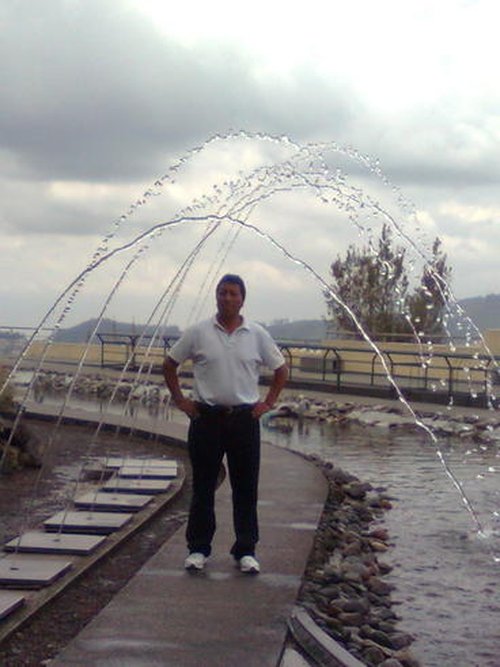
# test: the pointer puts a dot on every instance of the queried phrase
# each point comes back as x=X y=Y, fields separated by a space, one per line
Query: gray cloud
x=93 y=94
x=96 y=93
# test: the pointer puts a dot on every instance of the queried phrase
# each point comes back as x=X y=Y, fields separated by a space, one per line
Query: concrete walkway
x=220 y=617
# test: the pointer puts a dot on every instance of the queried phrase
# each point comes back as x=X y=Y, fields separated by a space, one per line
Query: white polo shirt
x=226 y=366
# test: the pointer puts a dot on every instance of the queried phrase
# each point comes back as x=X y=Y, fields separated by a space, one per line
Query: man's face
x=229 y=299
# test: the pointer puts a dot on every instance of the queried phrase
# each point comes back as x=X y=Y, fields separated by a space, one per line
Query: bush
x=7 y=396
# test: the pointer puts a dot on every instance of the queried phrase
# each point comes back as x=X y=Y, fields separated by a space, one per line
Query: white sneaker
x=249 y=565
x=195 y=561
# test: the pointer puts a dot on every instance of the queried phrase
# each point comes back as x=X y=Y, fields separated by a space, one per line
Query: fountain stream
x=277 y=167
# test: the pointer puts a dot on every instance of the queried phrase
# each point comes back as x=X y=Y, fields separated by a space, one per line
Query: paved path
x=167 y=616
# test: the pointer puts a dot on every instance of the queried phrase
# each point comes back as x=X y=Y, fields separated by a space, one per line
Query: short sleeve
x=271 y=354
x=183 y=348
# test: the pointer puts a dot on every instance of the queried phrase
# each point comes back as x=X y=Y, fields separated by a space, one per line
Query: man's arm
x=280 y=376
x=172 y=381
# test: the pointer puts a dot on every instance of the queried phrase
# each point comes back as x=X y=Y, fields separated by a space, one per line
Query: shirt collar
x=243 y=324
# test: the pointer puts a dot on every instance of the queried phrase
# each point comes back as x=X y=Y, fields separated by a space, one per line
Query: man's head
x=230 y=295
x=233 y=279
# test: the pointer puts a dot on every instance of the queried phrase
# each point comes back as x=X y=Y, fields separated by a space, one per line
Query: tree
x=373 y=283
x=427 y=302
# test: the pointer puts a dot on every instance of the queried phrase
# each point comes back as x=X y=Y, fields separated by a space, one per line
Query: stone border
x=317 y=644
x=344 y=602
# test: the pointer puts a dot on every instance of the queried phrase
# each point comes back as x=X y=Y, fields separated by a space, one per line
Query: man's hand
x=260 y=409
x=188 y=407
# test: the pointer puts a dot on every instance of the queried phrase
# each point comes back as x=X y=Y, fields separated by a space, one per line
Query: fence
x=464 y=376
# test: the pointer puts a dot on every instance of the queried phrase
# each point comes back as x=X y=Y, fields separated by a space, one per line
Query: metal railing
x=464 y=376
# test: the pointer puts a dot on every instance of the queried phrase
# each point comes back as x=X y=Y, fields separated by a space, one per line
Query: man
x=227 y=353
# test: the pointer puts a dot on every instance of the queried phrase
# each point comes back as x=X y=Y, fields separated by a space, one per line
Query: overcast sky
x=100 y=97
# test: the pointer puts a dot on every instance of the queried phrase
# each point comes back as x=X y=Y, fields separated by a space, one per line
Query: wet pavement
x=167 y=616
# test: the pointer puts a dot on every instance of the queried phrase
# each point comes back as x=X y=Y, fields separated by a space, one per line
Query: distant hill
x=80 y=333
x=311 y=330
x=484 y=311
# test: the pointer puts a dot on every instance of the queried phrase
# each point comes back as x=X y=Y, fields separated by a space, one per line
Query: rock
x=391 y=662
x=373 y=656
x=334 y=609
x=341 y=477
x=379 y=600
x=384 y=568
x=352 y=576
x=359 y=605
x=377 y=545
x=384 y=614
x=337 y=629
x=379 y=587
x=406 y=658
x=376 y=636
x=401 y=640
x=385 y=504
x=357 y=490
x=379 y=533
x=330 y=592
x=388 y=627
x=353 y=549
x=352 y=618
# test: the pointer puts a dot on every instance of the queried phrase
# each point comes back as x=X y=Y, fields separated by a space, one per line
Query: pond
x=445 y=574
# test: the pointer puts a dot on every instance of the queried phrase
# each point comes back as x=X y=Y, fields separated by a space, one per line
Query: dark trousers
x=211 y=435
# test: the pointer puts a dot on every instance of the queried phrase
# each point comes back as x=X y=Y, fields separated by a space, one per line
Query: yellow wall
x=72 y=353
x=492 y=338
x=64 y=352
x=357 y=358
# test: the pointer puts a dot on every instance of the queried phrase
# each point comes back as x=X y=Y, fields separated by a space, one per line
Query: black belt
x=224 y=410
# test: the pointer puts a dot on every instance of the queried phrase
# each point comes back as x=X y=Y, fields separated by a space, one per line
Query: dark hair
x=236 y=280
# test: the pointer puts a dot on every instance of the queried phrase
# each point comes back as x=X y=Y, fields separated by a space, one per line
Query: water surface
x=445 y=574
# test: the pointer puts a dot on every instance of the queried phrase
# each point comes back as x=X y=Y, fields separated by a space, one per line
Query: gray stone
x=373 y=655
x=351 y=618
x=355 y=605
x=379 y=587
x=400 y=640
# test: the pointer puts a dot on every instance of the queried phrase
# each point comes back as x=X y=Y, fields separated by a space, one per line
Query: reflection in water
x=445 y=579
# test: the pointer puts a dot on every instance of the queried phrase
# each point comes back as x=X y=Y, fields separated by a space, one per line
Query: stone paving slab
x=39 y=542
x=220 y=617
x=22 y=571
x=99 y=523
x=130 y=485
x=119 y=461
x=146 y=472
x=112 y=502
